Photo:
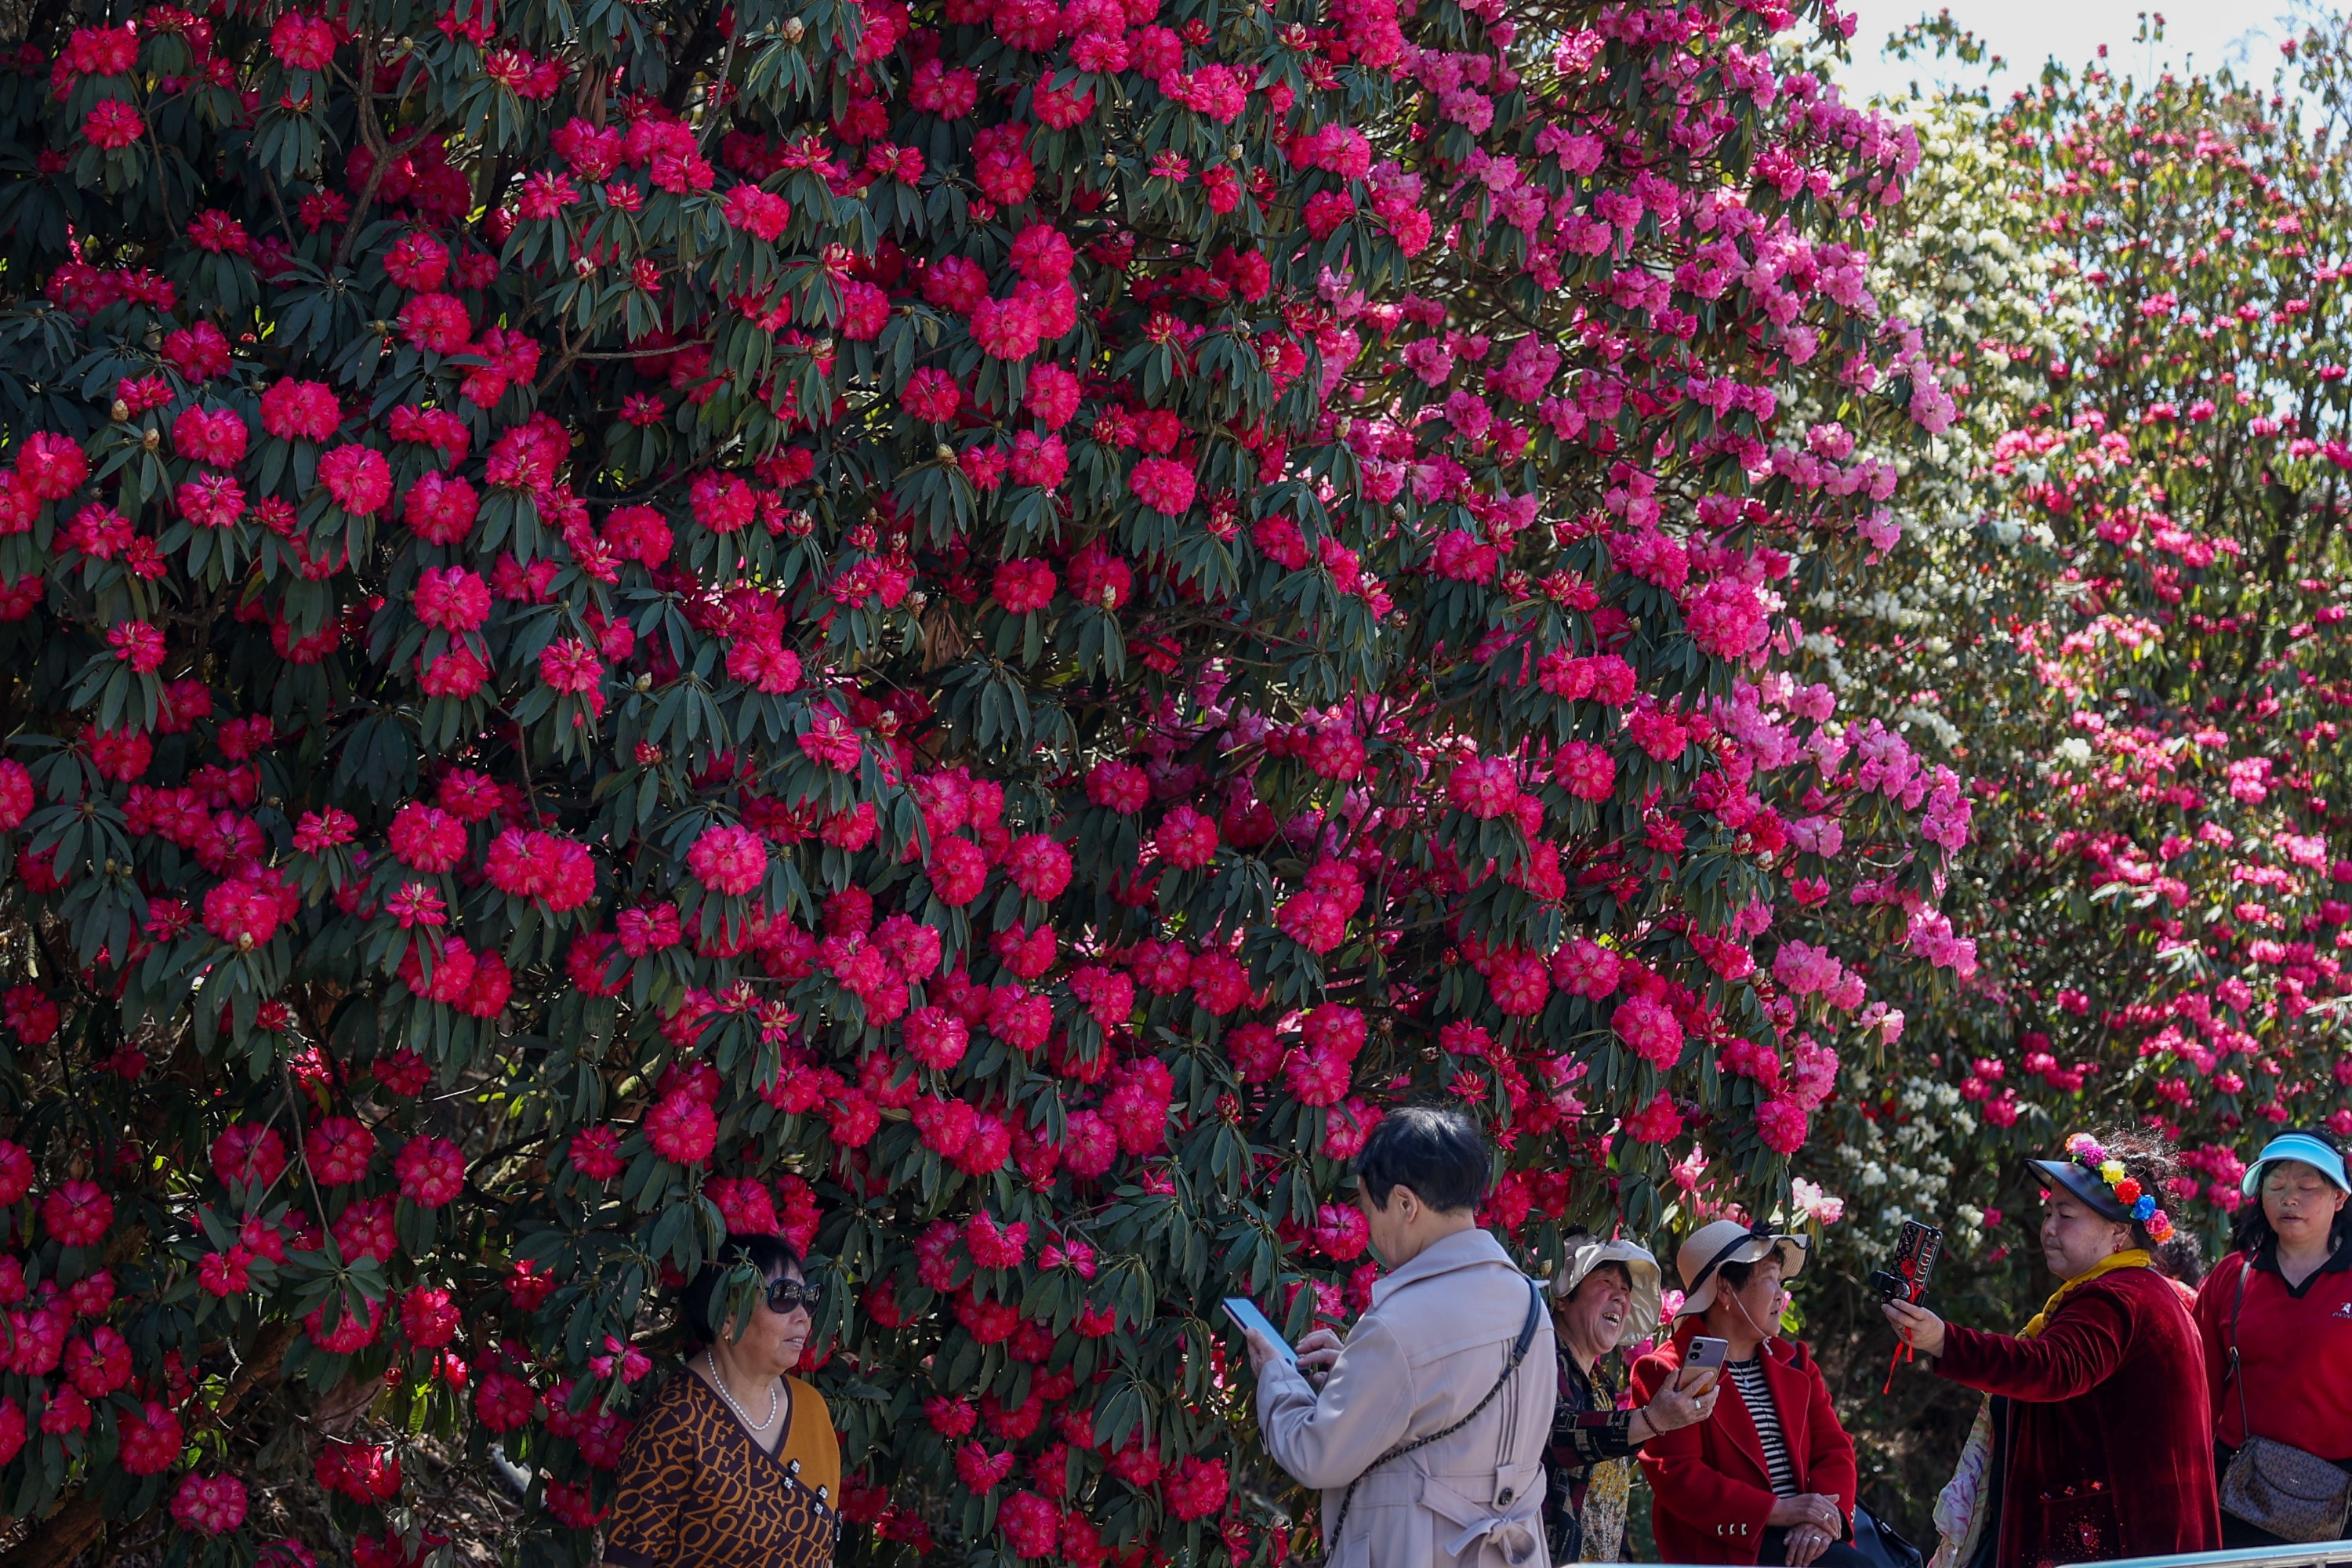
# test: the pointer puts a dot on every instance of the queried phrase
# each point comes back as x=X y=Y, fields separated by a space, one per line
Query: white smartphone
x=1707 y=1354
x=1246 y=1316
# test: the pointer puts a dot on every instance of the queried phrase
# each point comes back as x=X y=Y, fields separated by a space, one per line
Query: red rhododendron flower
x=731 y=861
x=1038 y=866
x=682 y=1128
x=358 y=477
x=427 y=837
x=339 y=1150
x=431 y=1171
x=1164 y=485
x=1025 y=586
x=638 y=533
x=31 y=1013
x=437 y=322
x=209 y=435
x=303 y=42
x=428 y=1318
x=367 y=1474
x=113 y=124
x=1653 y=1032
x=301 y=410
x=208 y=1505
x=569 y=665
x=15 y=1173
x=149 y=1442
x=452 y=598
x=76 y=1212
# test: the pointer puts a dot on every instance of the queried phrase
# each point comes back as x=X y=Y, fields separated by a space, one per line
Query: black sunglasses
x=785 y=1296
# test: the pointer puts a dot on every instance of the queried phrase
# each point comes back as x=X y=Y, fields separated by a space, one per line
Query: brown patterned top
x=696 y=1489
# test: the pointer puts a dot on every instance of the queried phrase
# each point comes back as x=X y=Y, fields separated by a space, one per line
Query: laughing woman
x=1604 y=1297
x=735 y=1464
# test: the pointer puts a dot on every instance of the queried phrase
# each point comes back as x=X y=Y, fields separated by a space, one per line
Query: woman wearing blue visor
x=2276 y=1319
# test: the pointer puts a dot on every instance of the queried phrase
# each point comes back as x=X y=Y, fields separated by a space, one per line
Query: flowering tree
x=2117 y=609
x=965 y=633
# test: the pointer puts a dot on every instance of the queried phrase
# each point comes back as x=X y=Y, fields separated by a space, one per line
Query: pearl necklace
x=775 y=1400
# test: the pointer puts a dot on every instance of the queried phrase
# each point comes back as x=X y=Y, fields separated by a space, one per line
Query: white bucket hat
x=1588 y=1253
x=1700 y=1258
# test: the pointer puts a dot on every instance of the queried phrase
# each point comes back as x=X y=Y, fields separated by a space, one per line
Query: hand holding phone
x=1696 y=1381
x=1250 y=1320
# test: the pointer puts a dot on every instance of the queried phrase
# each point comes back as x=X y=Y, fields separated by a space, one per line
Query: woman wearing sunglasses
x=735 y=1464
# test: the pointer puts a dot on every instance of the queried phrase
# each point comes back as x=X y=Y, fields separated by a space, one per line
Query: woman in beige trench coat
x=1436 y=1345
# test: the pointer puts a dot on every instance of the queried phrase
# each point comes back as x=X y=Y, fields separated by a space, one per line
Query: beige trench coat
x=1438 y=1335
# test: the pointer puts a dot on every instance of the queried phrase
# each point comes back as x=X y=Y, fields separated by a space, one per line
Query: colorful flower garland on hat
x=2140 y=1205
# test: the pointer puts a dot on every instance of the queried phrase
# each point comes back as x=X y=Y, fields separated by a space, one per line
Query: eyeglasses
x=787 y=1296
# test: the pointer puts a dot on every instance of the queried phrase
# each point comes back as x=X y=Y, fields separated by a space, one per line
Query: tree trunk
x=58 y=1540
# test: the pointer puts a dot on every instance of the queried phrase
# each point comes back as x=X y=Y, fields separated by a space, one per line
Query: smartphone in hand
x=1248 y=1318
x=1915 y=1252
x=1702 y=1365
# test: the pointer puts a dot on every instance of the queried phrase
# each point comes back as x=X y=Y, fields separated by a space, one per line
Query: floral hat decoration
x=2100 y=1180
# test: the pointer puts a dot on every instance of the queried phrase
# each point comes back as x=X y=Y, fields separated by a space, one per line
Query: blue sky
x=2240 y=33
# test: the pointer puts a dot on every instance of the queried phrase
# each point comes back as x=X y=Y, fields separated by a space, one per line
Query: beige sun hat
x=1700 y=1258
x=1588 y=1253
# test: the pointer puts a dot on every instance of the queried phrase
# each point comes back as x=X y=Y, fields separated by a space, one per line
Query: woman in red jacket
x=2278 y=1309
x=2097 y=1444
x=1770 y=1479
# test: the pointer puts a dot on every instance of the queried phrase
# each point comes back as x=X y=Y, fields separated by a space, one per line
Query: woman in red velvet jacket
x=2101 y=1442
x=1713 y=1496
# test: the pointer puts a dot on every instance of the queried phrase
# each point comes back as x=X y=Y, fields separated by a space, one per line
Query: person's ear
x=1407 y=1202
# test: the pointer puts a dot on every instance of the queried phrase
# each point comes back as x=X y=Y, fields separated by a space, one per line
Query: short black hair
x=1433 y=1149
x=772 y=1256
x=1735 y=1276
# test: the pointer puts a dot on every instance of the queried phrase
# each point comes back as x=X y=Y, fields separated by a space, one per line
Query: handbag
x=2291 y=1492
x=1519 y=1354
x=1878 y=1541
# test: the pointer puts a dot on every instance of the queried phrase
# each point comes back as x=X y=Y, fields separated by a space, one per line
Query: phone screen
x=1246 y=1316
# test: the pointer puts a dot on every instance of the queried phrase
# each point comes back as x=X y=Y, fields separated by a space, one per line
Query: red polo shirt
x=2294 y=1350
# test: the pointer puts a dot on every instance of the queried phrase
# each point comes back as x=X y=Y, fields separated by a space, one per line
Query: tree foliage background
x=971 y=633
x=2117 y=610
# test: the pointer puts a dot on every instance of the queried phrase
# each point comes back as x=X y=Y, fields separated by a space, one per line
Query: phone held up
x=1914 y=1260
x=1707 y=1354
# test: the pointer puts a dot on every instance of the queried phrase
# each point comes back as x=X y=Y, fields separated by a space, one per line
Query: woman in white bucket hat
x=1605 y=1297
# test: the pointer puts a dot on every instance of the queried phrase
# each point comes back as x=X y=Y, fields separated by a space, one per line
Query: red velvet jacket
x=1709 y=1489
x=2111 y=1440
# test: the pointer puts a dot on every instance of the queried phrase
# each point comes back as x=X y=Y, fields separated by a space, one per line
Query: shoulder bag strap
x=2237 y=1376
x=1519 y=1354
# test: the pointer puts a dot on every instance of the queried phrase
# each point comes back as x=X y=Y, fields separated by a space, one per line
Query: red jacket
x=2111 y=1441
x=2295 y=1350
x=1709 y=1490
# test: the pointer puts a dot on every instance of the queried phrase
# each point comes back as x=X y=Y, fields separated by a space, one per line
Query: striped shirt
x=1748 y=1376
